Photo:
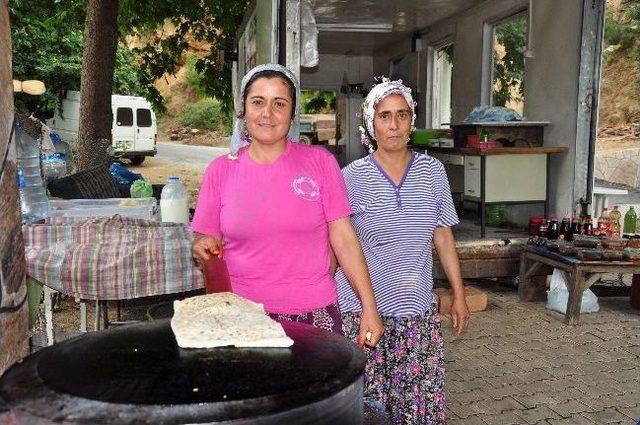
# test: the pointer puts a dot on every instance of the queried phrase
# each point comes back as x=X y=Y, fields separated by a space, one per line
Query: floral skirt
x=327 y=318
x=405 y=371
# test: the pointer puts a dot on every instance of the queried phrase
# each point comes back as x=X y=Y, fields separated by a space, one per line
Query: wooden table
x=582 y=274
x=501 y=175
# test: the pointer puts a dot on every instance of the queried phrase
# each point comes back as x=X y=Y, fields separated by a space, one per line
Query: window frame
x=432 y=49
x=488 y=69
x=150 y=118
x=118 y=122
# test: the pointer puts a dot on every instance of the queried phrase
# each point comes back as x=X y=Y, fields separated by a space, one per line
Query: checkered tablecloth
x=111 y=258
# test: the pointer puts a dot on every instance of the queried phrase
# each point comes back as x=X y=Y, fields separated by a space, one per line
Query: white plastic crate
x=144 y=208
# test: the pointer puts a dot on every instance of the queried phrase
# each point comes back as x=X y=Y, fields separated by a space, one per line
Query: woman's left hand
x=371 y=328
x=459 y=315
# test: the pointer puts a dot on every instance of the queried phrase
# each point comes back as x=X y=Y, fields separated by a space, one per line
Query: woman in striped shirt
x=401 y=205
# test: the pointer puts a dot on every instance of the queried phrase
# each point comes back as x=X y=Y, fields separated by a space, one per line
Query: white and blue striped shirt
x=395 y=225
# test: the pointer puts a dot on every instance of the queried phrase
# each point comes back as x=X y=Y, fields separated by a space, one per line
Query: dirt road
x=187 y=162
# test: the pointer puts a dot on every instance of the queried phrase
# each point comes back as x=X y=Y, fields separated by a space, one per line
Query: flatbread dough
x=223 y=319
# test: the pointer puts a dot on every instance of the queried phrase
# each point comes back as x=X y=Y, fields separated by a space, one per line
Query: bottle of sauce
x=614 y=223
x=575 y=228
x=565 y=229
x=554 y=229
x=587 y=228
x=604 y=226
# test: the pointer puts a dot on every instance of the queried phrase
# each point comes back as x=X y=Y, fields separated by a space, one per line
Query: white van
x=133 y=130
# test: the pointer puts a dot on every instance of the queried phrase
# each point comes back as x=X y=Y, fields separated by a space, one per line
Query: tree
x=48 y=45
x=212 y=21
x=99 y=58
x=509 y=69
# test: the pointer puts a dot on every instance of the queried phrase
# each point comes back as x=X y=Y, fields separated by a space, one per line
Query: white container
x=144 y=208
x=33 y=197
x=174 y=205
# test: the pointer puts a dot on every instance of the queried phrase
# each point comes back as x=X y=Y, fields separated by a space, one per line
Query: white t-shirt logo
x=306 y=187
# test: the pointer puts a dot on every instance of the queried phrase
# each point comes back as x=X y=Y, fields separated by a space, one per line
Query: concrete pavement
x=520 y=364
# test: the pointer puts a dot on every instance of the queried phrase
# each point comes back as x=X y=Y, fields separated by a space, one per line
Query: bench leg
x=48 y=314
x=96 y=319
x=530 y=287
x=576 y=289
x=83 y=316
x=522 y=279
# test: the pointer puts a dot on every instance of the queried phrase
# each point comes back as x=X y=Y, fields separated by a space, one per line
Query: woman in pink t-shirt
x=276 y=207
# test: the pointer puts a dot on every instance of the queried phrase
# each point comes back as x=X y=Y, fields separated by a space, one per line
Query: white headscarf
x=240 y=136
x=378 y=92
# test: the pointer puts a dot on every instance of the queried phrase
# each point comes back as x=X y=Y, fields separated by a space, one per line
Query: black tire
x=137 y=160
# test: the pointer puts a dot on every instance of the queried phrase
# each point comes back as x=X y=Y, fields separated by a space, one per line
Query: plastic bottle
x=173 y=202
x=54 y=166
x=33 y=198
x=484 y=135
x=614 y=222
x=630 y=222
x=553 y=228
x=588 y=226
x=575 y=228
x=604 y=226
x=565 y=229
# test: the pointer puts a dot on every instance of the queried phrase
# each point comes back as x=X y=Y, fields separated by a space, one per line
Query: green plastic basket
x=423 y=137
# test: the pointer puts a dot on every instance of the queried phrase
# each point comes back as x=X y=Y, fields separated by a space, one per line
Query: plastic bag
x=141 y=189
x=492 y=113
x=121 y=175
x=309 y=56
x=54 y=166
x=558 y=295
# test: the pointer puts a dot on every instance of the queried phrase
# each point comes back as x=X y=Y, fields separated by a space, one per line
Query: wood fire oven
x=137 y=374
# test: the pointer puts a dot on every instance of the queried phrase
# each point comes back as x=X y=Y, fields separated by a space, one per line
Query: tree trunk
x=100 y=42
x=13 y=308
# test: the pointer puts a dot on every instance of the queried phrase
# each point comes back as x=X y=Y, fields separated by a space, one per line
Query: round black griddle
x=138 y=374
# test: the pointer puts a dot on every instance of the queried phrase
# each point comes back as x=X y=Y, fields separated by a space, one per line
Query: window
x=124 y=117
x=507 y=77
x=143 y=117
x=442 y=72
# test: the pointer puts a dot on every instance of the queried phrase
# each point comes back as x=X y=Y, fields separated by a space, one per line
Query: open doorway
x=508 y=44
x=617 y=157
x=442 y=71
x=318 y=119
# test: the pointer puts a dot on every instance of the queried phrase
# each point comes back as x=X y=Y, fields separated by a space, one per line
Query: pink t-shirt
x=273 y=219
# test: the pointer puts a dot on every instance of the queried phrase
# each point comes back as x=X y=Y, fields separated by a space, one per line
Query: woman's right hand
x=206 y=247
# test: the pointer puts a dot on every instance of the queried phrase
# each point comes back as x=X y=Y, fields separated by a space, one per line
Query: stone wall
x=619 y=167
x=13 y=308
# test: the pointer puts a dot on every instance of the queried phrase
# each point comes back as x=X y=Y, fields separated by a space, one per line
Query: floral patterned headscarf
x=240 y=136
x=379 y=91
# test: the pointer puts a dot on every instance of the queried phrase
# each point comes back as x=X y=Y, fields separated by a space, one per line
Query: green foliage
x=318 y=102
x=448 y=51
x=206 y=115
x=622 y=33
x=192 y=77
x=48 y=43
x=509 y=70
x=213 y=21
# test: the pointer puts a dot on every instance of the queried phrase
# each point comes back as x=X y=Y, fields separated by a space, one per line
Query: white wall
x=333 y=69
x=551 y=79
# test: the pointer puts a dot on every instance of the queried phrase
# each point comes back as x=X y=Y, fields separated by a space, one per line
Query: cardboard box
x=476 y=299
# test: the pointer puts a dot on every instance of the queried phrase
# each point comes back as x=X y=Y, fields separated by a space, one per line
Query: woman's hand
x=459 y=315
x=206 y=247
x=371 y=328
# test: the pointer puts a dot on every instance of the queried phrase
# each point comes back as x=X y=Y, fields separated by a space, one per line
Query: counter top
x=502 y=123
x=494 y=151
